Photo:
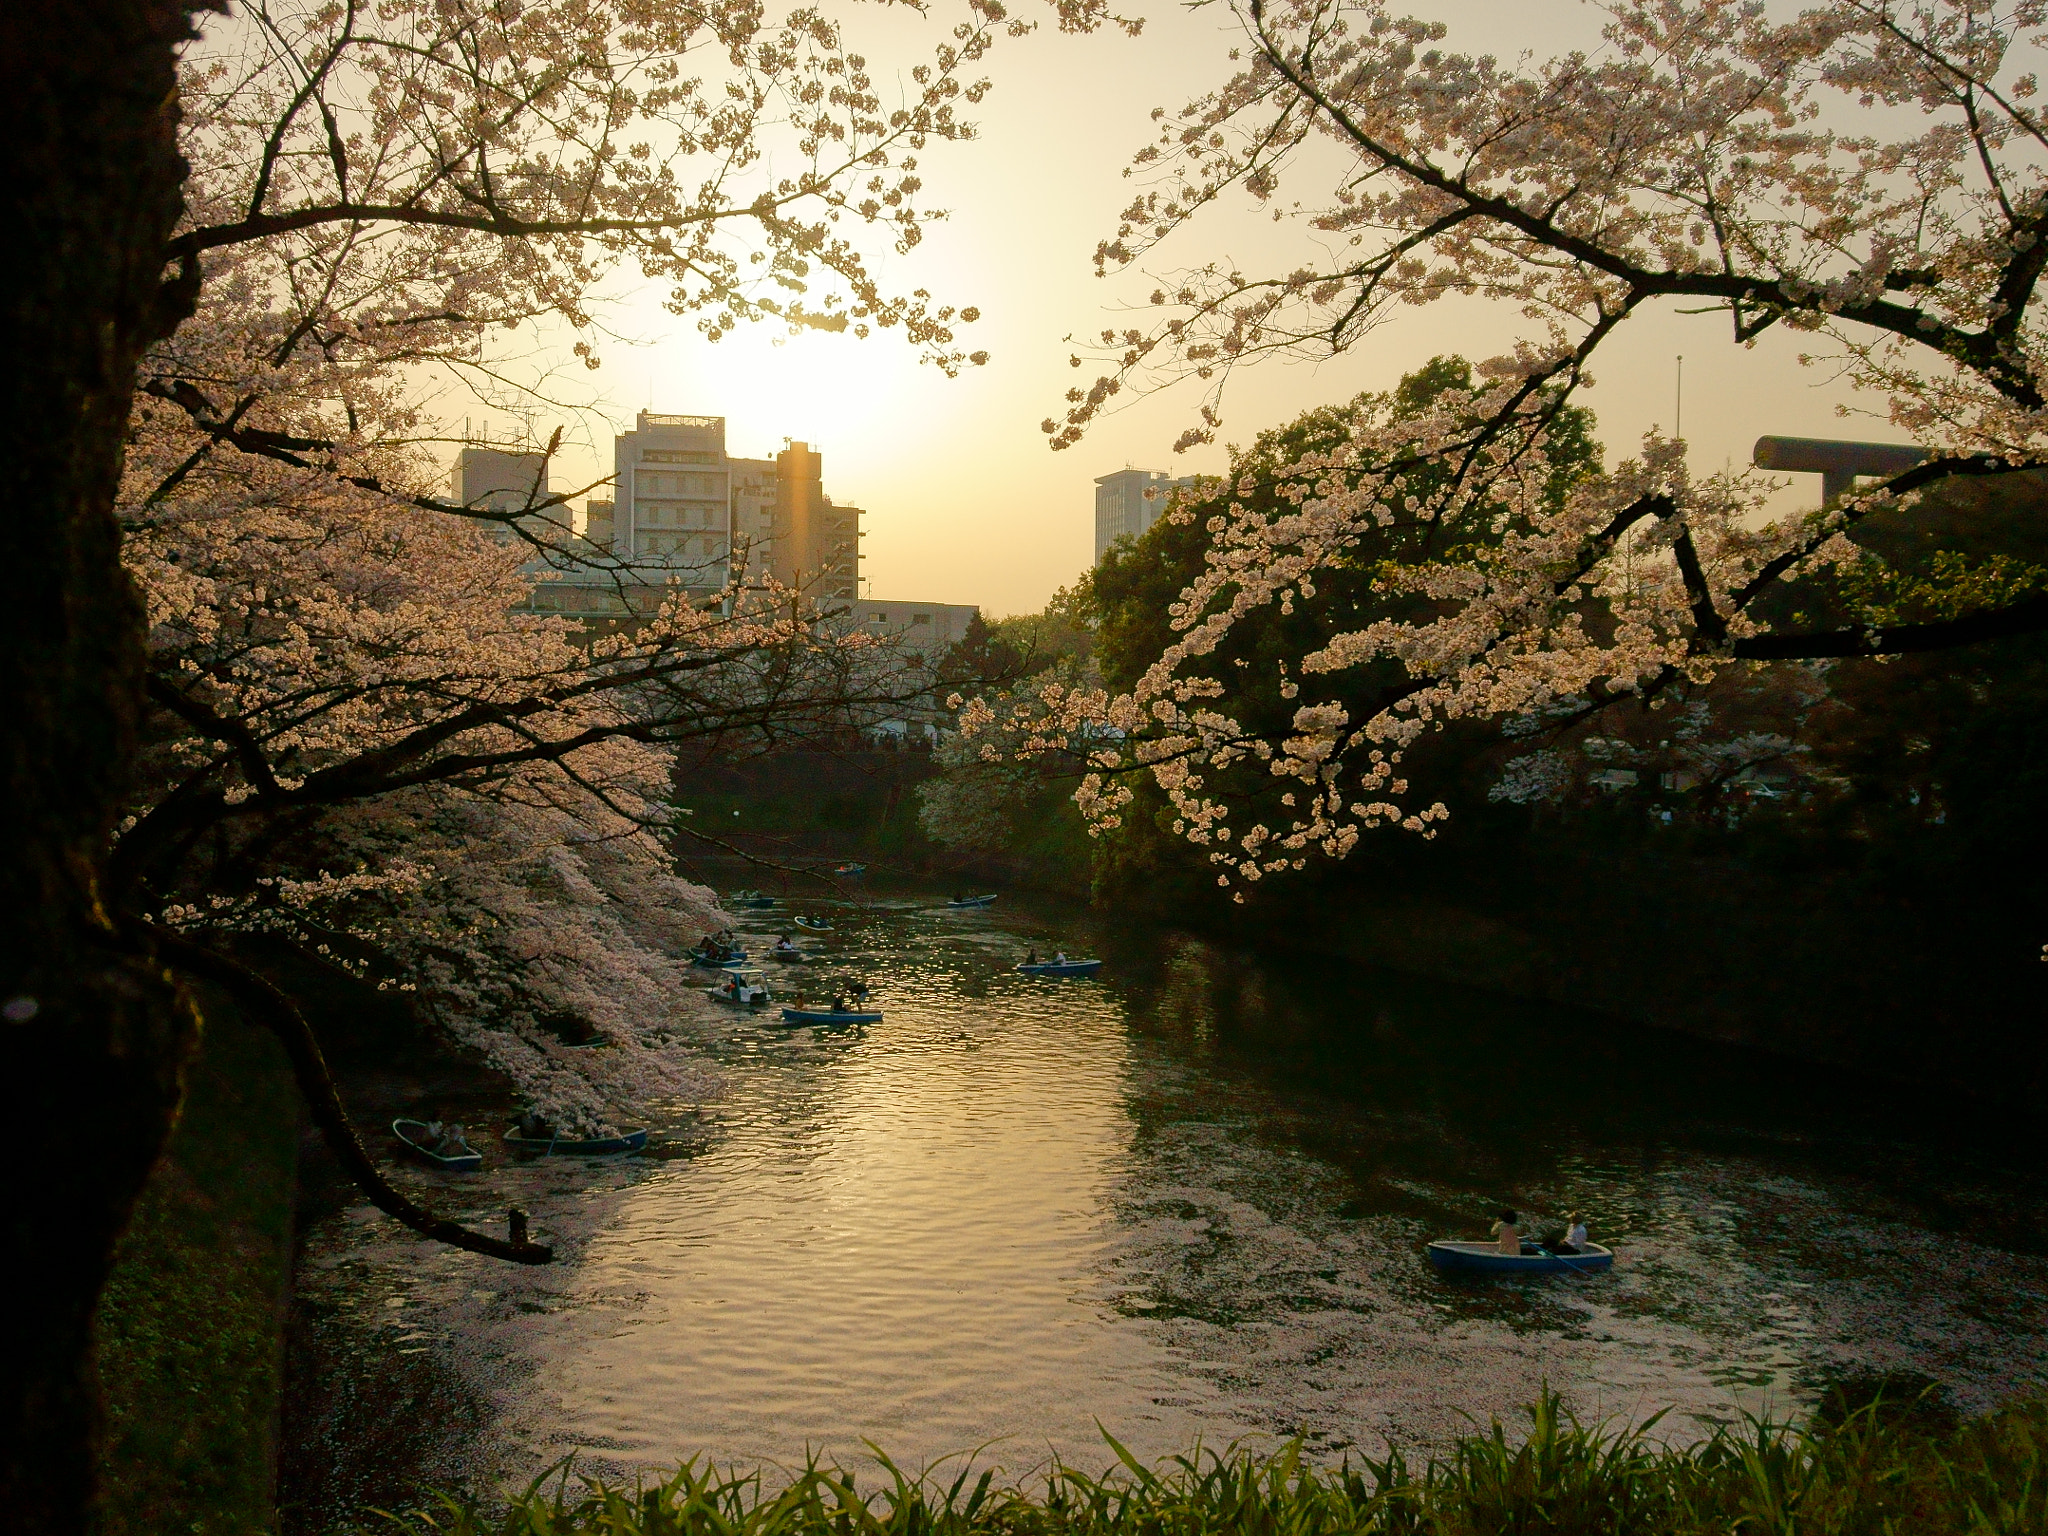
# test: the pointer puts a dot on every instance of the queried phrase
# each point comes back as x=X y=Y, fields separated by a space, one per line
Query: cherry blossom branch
x=1982 y=351
x=2026 y=617
x=274 y=1009
x=291 y=448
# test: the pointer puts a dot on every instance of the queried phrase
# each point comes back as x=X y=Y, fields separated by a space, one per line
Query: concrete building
x=504 y=480
x=928 y=626
x=672 y=500
x=1129 y=502
x=684 y=512
x=786 y=527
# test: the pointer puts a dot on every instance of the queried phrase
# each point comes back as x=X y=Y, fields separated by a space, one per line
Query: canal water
x=1185 y=1202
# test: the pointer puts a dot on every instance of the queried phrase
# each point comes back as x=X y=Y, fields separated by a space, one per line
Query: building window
x=672 y=456
x=920 y=618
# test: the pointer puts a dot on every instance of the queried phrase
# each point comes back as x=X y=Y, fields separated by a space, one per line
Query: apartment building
x=684 y=512
x=671 y=510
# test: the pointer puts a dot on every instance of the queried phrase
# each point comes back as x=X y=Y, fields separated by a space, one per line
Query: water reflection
x=1188 y=1201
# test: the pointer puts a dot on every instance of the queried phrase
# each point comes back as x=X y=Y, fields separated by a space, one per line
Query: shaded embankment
x=808 y=808
x=190 y=1327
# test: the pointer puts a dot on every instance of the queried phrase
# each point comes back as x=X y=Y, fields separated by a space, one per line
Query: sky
x=965 y=502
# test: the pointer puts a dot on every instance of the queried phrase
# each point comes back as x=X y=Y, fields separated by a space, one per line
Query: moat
x=1184 y=1202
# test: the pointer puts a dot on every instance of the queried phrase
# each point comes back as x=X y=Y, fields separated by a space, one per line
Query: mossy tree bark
x=96 y=1032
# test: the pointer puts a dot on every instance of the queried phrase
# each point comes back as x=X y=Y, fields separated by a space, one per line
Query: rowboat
x=1532 y=1260
x=720 y=961
x=827 y=1016
x=592 y=1146
x=815 y=924
x=787 y=956
x=420 y=1137
x=972 y=901
x=750 y=990
x=850 y=869
x=1061 y=967
x=752 y=901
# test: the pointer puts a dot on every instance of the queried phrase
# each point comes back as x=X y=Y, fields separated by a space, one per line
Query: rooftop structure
x=1837 y=462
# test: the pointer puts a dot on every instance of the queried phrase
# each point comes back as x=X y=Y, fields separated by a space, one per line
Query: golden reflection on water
x=1167 y=1203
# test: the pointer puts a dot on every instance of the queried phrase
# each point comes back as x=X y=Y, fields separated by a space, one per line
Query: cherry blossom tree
x=292 y=225
x=1866 y=173
x=362 y=745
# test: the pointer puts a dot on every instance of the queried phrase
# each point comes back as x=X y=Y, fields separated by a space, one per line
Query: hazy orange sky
x=966 y=503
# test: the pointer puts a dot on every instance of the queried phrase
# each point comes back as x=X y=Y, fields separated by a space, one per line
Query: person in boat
x=1507 y=1233
x=783 y=946
x=534 y=1126
x=1031 y=955
x=1574 y=1234
x=1059 y=957
x=860 y=991
x=452 y=1141
x=841 y=1003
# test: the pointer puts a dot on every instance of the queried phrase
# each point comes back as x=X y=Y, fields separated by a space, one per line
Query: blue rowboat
x=1487 y=1258
x=815 y=924
x=420 y=1136
x=972 y=901
x=787 y=956
x=1061 y=968
x=827 y=1016
x=594 y=1146
x=725 y=961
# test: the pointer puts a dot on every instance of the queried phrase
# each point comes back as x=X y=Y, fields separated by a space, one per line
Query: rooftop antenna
x=1678 y=410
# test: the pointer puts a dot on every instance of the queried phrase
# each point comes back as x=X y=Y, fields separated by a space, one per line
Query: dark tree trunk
x=95 y=1034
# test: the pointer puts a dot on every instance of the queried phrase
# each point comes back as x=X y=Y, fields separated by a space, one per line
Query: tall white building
x=671 y=510
x=1129 y=502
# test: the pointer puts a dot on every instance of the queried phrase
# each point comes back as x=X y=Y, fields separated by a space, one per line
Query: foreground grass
x=1877 y=1472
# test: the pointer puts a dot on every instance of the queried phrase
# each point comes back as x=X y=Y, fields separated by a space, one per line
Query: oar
x=1562 y=1259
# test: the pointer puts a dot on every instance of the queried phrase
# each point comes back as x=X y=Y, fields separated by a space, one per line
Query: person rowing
x=1507 y=1234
